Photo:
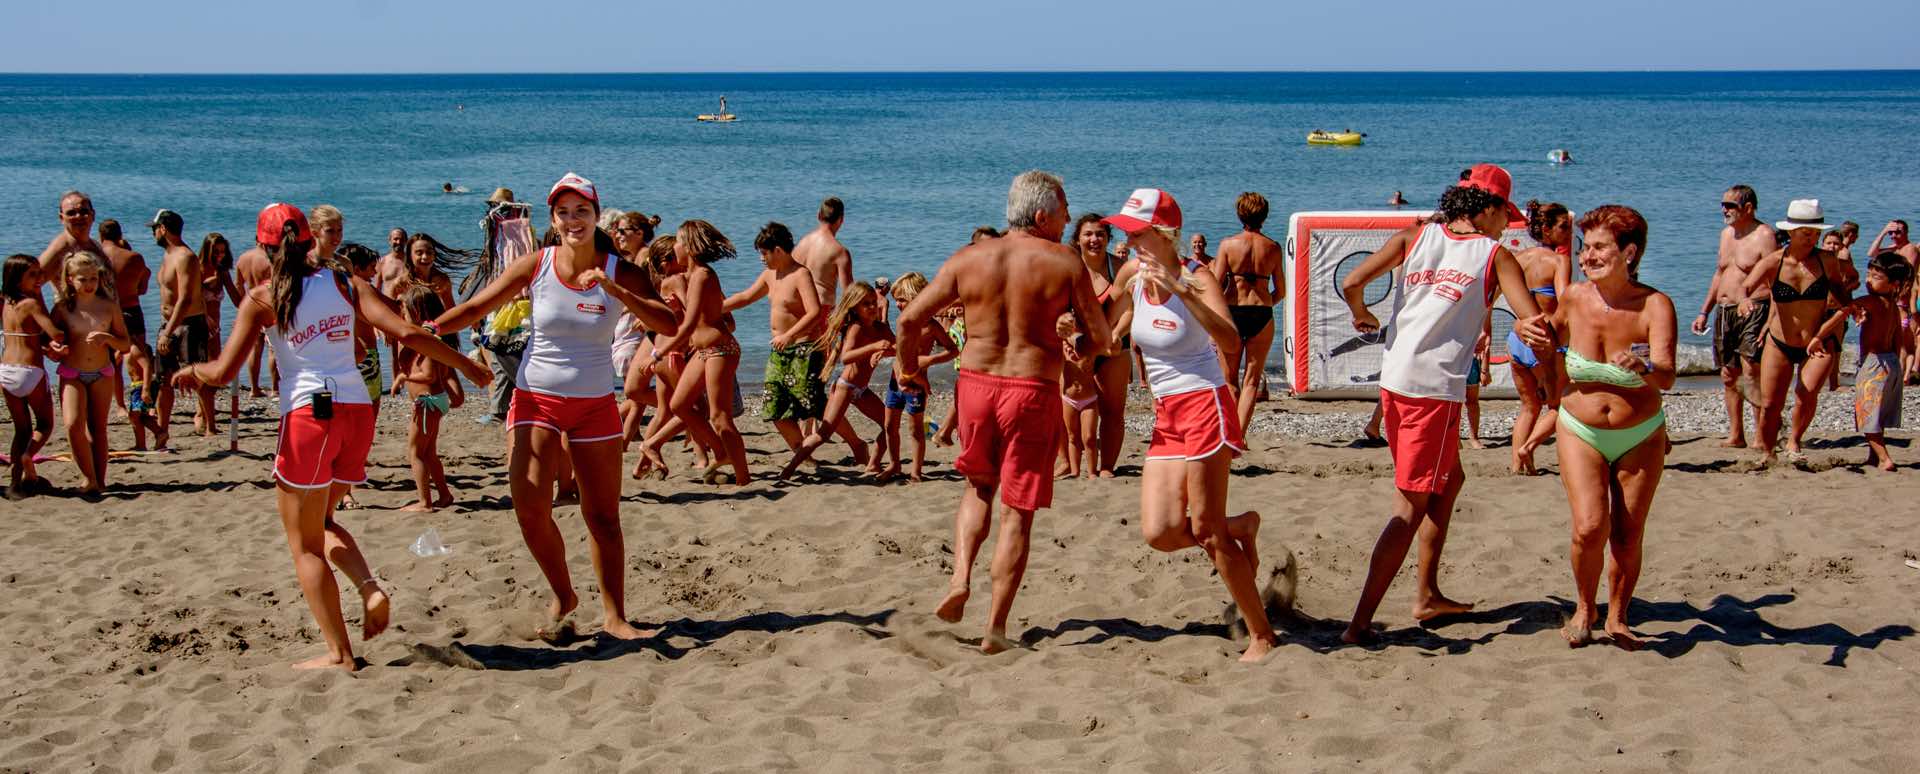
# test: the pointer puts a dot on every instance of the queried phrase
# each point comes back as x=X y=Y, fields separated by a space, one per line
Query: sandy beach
x=152 y=632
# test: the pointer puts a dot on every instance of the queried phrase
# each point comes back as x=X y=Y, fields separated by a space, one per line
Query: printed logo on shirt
x=336 y=322
x=1166 y=325
x=591 y=308
x=338 y=334
x=1450 y=284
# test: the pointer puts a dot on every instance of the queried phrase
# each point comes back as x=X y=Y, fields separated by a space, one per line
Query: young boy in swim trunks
x=1884 y=342
x=909 y=396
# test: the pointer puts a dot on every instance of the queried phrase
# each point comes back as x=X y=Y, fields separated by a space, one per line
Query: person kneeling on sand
x=1180 y=320
x=1012 y=290
x=1613 y=446
x=326 y=425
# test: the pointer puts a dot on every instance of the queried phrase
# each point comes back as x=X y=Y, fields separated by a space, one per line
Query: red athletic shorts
x=1194 y=425
x=583 y=419
x=1424 y=435
x=1009 y=427
x=315 y=453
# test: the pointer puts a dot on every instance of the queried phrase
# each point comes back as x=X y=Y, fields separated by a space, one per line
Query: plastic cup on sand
x=429 y=545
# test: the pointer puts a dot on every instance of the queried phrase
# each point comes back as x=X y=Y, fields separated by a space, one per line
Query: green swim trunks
x=794 y=388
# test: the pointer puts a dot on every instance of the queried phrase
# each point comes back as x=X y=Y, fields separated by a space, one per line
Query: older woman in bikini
x=1613 y=446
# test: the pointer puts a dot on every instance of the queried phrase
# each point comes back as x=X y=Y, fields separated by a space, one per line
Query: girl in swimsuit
x=1248 y=267
x=216 y=280
x=671 y=276
x=859 y=341
x=1613 y=443
x=90 y=317
x=632 y=233
x=432 y=264
x=1803 y=280
x=434 y=392
x=713 y=355
x=30 y=337
x=1114 y=372
x=1538 y=379
x=1079 y=391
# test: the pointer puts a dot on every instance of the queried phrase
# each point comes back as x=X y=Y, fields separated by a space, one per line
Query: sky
x=497 y=36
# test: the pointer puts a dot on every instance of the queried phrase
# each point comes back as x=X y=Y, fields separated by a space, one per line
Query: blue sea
x=921 y=159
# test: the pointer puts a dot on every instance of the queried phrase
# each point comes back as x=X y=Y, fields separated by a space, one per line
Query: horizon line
x=1079 y=71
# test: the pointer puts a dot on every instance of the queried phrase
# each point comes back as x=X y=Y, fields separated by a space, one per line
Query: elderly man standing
x=1013 y=290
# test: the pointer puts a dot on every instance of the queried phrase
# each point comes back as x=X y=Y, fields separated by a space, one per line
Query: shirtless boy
x=183 y=330
x=1012 y=290
x=823 y=255
x=1742 y=317
x=130 y=278
x=796 y=318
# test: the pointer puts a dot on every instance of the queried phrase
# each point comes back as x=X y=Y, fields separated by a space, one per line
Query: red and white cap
x=577 y=184
x=1494 y=180
x=1146 y=207
x=273 y=222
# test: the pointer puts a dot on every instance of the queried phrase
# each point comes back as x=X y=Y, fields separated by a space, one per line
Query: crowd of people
x=607 y=336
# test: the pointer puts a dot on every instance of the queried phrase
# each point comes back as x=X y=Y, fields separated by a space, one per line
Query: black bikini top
x=1818 y=290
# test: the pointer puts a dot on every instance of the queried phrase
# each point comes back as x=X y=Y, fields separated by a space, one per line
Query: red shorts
x=1424 y=436
x=584 y=420
x=1008 y=428
x=316 y=453
x=1194 y=425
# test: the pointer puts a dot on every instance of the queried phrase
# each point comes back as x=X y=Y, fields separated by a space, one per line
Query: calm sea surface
x=921 y=159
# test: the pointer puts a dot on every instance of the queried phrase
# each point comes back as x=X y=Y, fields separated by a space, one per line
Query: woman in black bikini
x=1248 y=266
x=1803 y=277
x=1115 y=371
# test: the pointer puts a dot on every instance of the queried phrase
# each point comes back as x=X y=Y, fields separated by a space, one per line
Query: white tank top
x=1443 y=303
x=569 y=347
x=1179 y=354
x=316 y=351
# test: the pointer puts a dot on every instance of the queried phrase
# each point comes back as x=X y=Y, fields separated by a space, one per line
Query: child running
x=1884 y=342
x=856 y=339
x=1079 y=394
x=30 y=336
x=911 y=397
x=434 y=391
x=713 y=355
x=90 y=317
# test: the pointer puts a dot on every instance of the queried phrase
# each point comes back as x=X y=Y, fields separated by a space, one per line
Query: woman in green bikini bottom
x=1619 y=335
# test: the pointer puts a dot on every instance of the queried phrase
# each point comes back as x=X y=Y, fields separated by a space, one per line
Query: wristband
x=432 y=327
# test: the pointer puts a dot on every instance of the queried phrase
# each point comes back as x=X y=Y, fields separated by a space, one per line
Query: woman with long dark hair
x=564 y=388
x=1090 y=237
x=309 y=312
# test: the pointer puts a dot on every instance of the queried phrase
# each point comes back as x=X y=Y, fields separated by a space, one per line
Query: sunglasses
x=1729 y=205
x=78 y=212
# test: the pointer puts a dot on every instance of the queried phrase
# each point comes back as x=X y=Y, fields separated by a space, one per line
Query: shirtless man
x=1012 y=291
x=130 y=277
x=824 y=256
x=183 y=313
x=76 y=234
x=252 y=269
x=391 y=280
x=1742 y=317
x=1896 y=232
x=794 y=390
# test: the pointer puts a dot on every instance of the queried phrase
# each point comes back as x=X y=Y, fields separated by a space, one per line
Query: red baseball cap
x=576 y=184
x=273 y=222
x=1494 y=180
x=1146 y=207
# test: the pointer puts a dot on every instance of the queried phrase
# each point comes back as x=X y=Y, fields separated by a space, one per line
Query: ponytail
x=290 y=272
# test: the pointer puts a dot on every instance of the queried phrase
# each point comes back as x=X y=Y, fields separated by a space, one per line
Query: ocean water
x=921 y=159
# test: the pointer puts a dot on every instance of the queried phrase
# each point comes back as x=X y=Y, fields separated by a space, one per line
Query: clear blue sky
x=384 y=36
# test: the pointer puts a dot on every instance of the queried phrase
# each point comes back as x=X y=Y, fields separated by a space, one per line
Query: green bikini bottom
x=1612 y=443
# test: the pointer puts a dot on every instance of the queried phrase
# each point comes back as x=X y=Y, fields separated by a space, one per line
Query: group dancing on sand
x=609 y=320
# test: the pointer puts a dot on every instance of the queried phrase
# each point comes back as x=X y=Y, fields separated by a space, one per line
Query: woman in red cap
x=1179 y=319
x=326 y=416
x=565 y=386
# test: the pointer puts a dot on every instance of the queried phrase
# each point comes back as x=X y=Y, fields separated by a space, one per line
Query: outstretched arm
x=1528 y=321
x=512 y=280
x=938 y=294
x=754 y=292
x=634 y=290
x=253 y=315
x=414 y=338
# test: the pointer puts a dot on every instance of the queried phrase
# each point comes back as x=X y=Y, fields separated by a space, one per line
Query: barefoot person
x=1536 y=378
x=565 y=386
x=1114 y=370
x=183 y=329
x=30 y=336
x=253 y=269
x=1454 y=267
x=1180 y=319
x=1741 y=315
x=1013 y=289
x=1613 y=443
x=794 y=390
x=1802 y=279
x=130 y=275
x=829 y=262
x=1884 y=342
x=1249 y=268
x=326 y=417
x=86 y=312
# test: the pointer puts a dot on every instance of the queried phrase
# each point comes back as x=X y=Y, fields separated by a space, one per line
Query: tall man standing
x=1742 y=317
x=1013 y=290
x=821 y=252
x=183 y=312
x=1454 y=267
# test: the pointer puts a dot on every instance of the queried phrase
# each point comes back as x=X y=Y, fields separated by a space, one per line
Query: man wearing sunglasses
x=76 y=233
x=1742 y=317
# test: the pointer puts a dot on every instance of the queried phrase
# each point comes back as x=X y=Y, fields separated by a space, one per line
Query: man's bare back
x=830 y=263
x=130 y=274
x=1013 y=290
x=252 y=269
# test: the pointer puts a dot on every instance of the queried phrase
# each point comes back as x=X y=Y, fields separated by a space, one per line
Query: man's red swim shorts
x=1009 y=429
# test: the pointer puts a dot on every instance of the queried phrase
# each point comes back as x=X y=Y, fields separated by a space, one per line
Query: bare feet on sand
x=996 y=642
x=329 y=661
x=621 y=630
x=1578 y=631
x=557 y=610
x=1523 y=462
x=1734 y=442
x=1257 y=650
x=1622 y=636
x=416 y=507
x=1364 y=635
x=375 y=602
x=954 y=606
x=1438 y=606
